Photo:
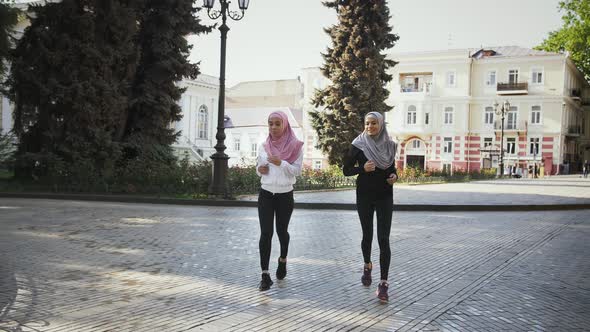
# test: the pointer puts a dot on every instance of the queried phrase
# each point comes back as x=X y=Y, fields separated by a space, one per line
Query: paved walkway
x=568 y=189
x=89 y=266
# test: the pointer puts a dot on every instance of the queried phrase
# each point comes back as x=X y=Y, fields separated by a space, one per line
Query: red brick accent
x=474 y=167
x=433 y=164
x=549 y=169
x=460 y=165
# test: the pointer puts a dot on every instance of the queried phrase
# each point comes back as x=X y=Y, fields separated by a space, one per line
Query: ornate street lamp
x=218 y=186
x=501 y=110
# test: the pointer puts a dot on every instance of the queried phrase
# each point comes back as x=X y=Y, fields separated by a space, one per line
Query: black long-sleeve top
x=373 y=184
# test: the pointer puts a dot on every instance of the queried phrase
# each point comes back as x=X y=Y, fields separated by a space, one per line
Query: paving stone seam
x=472 y=288
x=271 y=322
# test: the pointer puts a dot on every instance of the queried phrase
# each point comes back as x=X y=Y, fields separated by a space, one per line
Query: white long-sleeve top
x=280 y=179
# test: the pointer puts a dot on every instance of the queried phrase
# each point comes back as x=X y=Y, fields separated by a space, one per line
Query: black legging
x=366 y=207
x=269 y=205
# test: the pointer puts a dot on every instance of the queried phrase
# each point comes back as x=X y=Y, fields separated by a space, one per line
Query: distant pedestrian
x=372 y=157
x=586 y=168
x=279 y=162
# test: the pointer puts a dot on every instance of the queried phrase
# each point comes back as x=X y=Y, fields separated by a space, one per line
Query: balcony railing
x=512 y=88
x=425 y=87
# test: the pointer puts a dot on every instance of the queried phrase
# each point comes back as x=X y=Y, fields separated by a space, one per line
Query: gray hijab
x=380 y=148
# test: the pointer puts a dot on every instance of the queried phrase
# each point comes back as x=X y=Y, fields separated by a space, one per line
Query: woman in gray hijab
x=372 y=158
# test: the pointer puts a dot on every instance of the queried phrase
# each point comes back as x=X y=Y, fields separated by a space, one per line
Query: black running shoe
x=366 y=278
x=382 y=292
x=282 y=270
x=265 y=283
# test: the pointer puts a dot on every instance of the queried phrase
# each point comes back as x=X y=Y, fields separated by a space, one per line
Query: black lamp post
x=501 y=110
x=218 y=186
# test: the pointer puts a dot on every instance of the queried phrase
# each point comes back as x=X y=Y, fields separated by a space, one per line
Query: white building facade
x=198 y=126
x=445 y=117
x=246 y=128
x=312 y=80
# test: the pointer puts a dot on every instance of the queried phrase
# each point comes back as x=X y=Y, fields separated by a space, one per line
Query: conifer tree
x=69 y=82
x=94 y=85
x=8 y=18
x=357 y=69
x=164 y=24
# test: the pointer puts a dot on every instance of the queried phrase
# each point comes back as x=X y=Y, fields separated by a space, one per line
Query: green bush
x=243 y=180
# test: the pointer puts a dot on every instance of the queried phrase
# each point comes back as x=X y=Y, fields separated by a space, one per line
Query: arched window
x=203 y=122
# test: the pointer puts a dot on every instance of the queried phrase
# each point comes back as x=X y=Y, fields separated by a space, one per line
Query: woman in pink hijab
x=279 y=162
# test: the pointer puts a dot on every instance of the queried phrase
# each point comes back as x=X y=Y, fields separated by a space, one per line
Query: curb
x=300 y=205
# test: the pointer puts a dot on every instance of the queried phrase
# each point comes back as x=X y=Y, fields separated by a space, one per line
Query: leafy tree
x=358 y=73
x=574 y=35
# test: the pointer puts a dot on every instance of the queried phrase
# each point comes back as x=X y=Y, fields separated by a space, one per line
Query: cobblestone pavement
x=87 y=266
x=566 y=189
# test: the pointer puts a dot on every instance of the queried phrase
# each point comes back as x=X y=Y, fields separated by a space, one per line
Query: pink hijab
x=286 y=146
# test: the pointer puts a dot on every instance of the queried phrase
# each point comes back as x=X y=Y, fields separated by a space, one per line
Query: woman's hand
x=369 y=166
x=263 y=169
x=392 y=179
x=274 y=160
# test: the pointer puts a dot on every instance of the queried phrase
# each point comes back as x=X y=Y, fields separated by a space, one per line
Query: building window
x=513 y=76
x=254 y=150
x=511 y=118
x=487 y=141
x=448 y=114
x=536 y=114
x=446 y=168
x=511 y=145
x=411 y=118
x=317 y=164
x=489 y=115
x=203 y=123
x=426 y=118
x=451 y=79
x=416 y=144
x=491 y=78
x=448 y=145
x=537 y=76
x=534 y=145
x=237 y=144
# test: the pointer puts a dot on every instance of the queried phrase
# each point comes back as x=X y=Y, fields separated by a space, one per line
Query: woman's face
x=275 y=126
x=372 y=126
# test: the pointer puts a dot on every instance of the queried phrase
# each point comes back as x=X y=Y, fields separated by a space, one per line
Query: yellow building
x=445 y=114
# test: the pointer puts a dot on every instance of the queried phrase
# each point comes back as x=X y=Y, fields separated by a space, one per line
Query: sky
x=277 y=38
